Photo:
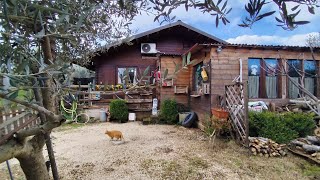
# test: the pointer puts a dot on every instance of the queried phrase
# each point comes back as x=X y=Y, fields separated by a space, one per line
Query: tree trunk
x=32 y=160
x=311 y=148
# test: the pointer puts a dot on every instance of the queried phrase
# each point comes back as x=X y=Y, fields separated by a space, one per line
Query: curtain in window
x=271 y=86
x=253 y=86
x=293 y=90
x=309 y=84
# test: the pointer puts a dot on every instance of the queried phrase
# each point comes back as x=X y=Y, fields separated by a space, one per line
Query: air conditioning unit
x=148 y=48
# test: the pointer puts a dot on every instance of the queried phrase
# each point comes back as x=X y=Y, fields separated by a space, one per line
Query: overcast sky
x=265 y=31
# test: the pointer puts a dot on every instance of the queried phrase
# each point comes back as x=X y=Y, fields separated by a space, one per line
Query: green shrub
x=280 y=127
x=302 y=123
x=208 y=125
x=169 y=111
x=119 y=110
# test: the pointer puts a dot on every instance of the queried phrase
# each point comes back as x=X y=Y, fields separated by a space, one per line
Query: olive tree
x=40 y=38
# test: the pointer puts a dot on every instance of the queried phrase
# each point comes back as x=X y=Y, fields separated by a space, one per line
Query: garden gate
x=237 y=105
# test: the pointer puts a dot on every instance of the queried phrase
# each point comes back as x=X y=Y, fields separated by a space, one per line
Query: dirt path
x=160 y=152
x=150 y=152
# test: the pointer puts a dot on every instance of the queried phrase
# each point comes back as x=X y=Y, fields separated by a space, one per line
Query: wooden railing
x=14 y=120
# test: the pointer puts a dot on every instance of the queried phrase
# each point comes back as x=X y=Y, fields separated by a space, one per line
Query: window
x=197 y=77
x=303 y=72
x=127 y=75
x=271 y=66
x=263 y=78
x=310 y=72
x=254 y=77
x=294 y=71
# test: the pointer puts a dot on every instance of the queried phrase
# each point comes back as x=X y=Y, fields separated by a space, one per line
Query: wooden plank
x=139 y=101
x=308 y=157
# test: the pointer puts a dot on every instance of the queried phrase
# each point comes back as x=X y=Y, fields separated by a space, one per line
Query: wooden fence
x=237 y=105
x=15 y=120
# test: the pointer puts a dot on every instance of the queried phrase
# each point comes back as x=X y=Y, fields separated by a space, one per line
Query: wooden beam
x=139 y=101
x=149 y=58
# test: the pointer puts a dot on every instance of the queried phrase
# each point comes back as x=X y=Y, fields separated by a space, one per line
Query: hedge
x=281 y=128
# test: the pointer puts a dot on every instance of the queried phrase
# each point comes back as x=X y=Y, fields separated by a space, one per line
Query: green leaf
x=265 y=15
x=14 y=95
x=224 y=5
x=280 y=21
x=192 y=62
x=165 y=74
x=184 y=60
x=5 y=11
x=295 y=8
x=311 y=9
x=224 y=21
x=188 y=57
x=11 y=2
x=301 y=22
x=146 y=71
x=176 y=67
x=229 y=11
x=217 y=20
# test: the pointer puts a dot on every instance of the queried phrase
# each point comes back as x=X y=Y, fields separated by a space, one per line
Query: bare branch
x=47 y=127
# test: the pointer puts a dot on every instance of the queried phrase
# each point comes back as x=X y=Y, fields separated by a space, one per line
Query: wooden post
x=246 y=118
x=54 y=168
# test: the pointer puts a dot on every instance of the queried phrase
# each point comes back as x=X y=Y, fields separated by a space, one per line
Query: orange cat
x=114 y=134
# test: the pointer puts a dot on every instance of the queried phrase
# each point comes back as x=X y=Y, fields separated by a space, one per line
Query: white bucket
x=132 y=116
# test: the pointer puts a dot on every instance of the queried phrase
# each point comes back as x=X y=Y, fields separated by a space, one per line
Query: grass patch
x=173 y=169
x=198 y=162
x=310 y=170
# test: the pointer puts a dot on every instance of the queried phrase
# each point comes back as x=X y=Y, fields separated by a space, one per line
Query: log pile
x=308 y=146
x=266 y=147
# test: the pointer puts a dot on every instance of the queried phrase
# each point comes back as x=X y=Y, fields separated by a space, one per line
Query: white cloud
x=295 y=40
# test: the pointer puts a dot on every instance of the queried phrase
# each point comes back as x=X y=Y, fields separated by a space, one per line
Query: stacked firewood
x=309 y=145
x=266 y=147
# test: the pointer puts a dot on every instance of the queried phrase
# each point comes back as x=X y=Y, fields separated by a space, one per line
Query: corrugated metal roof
x=170 y=54
x=261 y=46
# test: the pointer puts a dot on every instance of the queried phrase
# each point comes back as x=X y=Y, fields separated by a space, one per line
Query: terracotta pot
x=220 y=113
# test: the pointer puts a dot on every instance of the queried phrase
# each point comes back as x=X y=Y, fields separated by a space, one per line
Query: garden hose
x=72 y=110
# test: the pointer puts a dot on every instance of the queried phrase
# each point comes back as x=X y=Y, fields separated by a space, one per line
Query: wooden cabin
x=264 y=69
x=165 y=47
x=158 y=49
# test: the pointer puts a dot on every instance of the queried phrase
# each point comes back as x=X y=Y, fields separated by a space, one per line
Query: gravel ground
x=149 y=152
x=159 y=152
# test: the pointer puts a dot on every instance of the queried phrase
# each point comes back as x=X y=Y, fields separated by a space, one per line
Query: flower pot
x=220 y=113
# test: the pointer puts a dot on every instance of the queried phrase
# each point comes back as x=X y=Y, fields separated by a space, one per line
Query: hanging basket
x=220 y=113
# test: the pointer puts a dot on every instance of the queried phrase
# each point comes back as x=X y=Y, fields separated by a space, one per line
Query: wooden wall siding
x=225 y=66
x=175 y=40
x=166 y=42
x=200 y=105
x=106 y=66
x=180 y=79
